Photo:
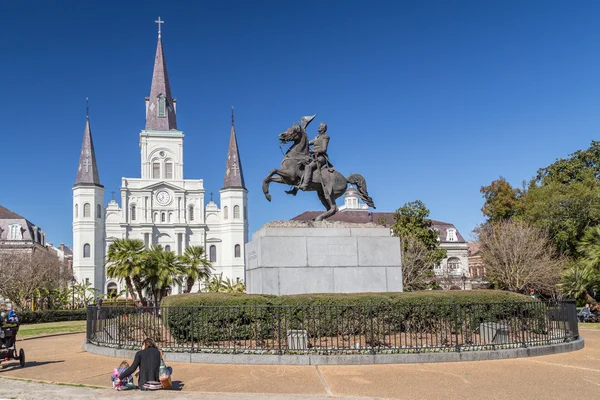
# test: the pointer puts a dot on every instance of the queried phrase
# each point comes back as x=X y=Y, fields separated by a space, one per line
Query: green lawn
x=589 y=325
x=50 y=328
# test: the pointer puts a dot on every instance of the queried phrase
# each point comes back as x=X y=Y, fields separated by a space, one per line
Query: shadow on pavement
x=15 y=364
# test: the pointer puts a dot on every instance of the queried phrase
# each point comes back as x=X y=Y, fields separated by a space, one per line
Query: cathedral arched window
x=86 y=250
x=98 y=211
x=191 y=213
x=237 y=251
x=162 y=105
x=213 y=253
x=225 y=212
x=86 y=210
x=245 y=213
x=236 y=212
x=133 y=212
x=167 y=248
x=155 y=170
x=168 y=170
x=76 y=210
x=163 y=217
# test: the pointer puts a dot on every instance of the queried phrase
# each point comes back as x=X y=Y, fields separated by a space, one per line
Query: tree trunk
x=190 y=284
x=138 y=286
x=589 y=298
x=130 y=287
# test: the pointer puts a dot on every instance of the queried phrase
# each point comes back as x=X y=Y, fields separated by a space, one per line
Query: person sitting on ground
x=148 y=360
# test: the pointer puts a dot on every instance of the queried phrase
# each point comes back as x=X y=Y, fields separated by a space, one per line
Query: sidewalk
x=60 y=359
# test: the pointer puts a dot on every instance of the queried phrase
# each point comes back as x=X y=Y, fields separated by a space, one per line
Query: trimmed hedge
x=209 y=317
x=36 y=317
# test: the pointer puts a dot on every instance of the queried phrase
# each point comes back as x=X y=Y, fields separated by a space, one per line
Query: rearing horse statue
x=329 y=185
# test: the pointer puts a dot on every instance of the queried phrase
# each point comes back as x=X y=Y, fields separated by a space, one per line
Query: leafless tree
x=25 y=273
x=518 y=257
x=417 y=264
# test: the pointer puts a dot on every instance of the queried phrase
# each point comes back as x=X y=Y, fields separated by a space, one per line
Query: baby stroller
x=8 y=343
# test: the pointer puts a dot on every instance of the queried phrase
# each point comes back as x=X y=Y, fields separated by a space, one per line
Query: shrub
x=210 y=317
x=36 y=317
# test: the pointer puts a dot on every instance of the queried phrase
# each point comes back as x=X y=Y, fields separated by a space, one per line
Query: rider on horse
x=318 y=157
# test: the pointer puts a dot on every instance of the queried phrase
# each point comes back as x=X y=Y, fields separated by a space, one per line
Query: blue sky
x=427 y=100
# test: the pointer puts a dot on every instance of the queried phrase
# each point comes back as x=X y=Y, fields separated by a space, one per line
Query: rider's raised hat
x=306 y=120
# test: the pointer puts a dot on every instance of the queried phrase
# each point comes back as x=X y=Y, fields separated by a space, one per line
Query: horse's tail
x=361 y=185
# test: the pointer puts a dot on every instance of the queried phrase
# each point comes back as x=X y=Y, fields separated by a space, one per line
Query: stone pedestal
x=293 y=257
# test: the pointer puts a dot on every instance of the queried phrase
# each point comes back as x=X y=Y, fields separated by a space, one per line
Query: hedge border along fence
x=193 y=316
x=37 y=317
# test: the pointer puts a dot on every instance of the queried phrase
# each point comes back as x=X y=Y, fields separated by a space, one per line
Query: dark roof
x=5 y=213
x=160 y=86
x=364 y=216
x=234 y=176
x=87 y=172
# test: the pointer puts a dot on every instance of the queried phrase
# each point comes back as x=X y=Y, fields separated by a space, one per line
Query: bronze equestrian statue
x=310 y=170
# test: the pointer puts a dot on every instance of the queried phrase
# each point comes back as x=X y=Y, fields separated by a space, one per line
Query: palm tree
x=578 y=280
x=126 y=257
x=195 y=265
x=589 y=247
x=162 y=271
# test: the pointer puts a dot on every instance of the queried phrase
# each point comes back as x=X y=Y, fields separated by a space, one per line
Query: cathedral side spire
x=160 y=107
x=234 y=177
x=87 y=173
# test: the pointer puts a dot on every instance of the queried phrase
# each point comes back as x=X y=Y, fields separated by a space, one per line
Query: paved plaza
x=60 y=360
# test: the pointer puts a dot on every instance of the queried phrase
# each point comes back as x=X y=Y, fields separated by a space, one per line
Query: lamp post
x=464 y=279
x=73 y=282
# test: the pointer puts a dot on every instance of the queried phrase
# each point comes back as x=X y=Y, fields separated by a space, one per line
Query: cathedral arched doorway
x=112 y=289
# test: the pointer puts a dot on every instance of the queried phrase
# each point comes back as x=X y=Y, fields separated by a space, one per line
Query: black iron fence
x=367 y=329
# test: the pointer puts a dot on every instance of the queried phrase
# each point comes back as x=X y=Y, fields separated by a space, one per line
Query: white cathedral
x=160 y=207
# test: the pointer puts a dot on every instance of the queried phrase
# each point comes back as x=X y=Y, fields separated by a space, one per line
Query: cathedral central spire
x=160 y=106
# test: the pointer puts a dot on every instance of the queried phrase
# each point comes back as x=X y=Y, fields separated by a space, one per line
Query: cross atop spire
x=87 y=108
x=160 y=106
x=87 y=173
x=159 y=22
x=234 y=177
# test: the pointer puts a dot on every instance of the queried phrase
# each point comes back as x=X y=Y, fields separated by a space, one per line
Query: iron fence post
x=279 y=328
x=455 y=327
x=192 y=332
x=522 y=318
x=372 y=330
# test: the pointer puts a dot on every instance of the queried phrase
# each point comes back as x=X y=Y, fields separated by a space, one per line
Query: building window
x=245 y=213
x=111 y=289
x=133 y=212
x=87 y=281
x=169 y=170
x=451 y=235
x=453 y=264
x=191 y=213
x=155 y=170
x=98 y=211
x=76 y=210
x=162 y=105
x=236 y=212
x=162 y=217
x=237 y=251
x=155 y=217
x=213 y=253
x=14 y=232
x=225 y=212
x=86 y=250
x=167 y=248
x=86 y=210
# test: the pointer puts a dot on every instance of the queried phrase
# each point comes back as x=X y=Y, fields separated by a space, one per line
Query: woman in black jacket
x=148 y=359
